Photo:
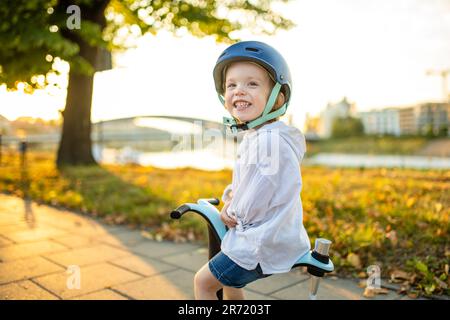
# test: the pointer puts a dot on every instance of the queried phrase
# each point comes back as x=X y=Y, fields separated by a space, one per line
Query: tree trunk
x=75 y=147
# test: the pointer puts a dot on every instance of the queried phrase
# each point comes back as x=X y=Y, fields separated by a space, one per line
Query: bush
x=347 y=127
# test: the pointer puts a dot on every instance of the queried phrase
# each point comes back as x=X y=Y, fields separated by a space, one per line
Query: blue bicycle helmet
x=271 y=60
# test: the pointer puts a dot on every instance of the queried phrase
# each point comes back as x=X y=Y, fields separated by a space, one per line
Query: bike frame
x=317 y=261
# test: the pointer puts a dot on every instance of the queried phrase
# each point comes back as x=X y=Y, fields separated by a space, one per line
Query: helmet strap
x=266 y=115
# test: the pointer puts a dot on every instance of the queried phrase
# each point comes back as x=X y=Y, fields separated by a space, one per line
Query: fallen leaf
x=410 y=202
x=381 y=291
x=369 y=293
x=147 y=235
x=412 y=295
x=441 y=283
x=399 y=275
x=354 y=260
x=120 y=219
x=422 y=225
x=392 y=236
x=404 y=288
x=362 y=275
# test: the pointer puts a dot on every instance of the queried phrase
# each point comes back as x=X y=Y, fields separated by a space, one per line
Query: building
x=432 y=117
x=425 y=118
x=342 y=109
x=385 y=122
x=407 y=121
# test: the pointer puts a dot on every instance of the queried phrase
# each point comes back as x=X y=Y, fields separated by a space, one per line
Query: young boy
x=264 y=214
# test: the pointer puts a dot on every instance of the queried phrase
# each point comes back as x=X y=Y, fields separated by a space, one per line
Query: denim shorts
x=231 y=274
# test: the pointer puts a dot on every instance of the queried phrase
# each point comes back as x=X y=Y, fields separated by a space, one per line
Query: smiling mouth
x=241 y=105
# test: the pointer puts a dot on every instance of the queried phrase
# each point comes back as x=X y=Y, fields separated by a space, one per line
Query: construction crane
x=443 y=74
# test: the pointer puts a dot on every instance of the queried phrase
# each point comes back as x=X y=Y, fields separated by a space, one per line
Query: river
x=211 y=159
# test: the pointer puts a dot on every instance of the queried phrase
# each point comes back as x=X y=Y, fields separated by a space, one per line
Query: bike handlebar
x=178 y=212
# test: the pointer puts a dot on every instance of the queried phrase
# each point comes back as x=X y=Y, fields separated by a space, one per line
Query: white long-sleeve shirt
x=266 y=200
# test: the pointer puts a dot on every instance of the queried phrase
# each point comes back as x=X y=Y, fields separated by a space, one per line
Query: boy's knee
x=201 y=280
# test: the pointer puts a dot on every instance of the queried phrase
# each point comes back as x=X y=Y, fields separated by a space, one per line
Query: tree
x=443 y=131
x=347 y=127
x=36 y=33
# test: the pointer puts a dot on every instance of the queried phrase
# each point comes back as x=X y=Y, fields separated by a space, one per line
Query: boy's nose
x=240 y=91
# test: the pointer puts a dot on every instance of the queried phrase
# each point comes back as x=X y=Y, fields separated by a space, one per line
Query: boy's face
x=247 y=88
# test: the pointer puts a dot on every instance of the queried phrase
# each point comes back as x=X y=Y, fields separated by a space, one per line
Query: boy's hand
x=229 y=222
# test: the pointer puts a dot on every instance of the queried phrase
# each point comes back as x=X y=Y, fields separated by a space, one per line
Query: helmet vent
x=252 y=49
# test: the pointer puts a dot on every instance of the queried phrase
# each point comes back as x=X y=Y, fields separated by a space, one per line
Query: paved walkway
x=43 y=250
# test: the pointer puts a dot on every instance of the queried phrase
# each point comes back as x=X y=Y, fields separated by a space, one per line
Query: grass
x=369 y=145
x=397 y=219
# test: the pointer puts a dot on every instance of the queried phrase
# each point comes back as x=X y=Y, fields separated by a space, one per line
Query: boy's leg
x=205 y=284
x=230 y=293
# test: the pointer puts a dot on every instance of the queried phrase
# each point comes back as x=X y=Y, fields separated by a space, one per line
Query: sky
x=375 y=53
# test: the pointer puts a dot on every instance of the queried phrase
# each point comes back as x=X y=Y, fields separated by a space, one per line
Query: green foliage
x=347 y=127
x=27 y=40
x=368 y=145
x=443 y=131
x=34 y=32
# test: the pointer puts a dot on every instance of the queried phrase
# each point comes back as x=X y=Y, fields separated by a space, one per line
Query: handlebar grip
x=178 y=212
x=214 y=201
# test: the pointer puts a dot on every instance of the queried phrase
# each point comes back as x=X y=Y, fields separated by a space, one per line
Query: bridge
x=137 y=128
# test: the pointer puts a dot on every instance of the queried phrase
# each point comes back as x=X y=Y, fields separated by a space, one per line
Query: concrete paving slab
x=30 y=249
x=105 y=294
x=26 y=268
x=174 y=285
x=92 y=278
x=123 y=240
x=35 y=234
x=276 y=282
x=250 y=295
x=192 y=260
x=73 y=241
x=330 y=289
x=154 y=249
x=24 y=290
x=5 y=242
x=16 y=227
x=85 y=256
x=142 y=265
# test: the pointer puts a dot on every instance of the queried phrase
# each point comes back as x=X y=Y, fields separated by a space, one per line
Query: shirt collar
x=266 y=127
